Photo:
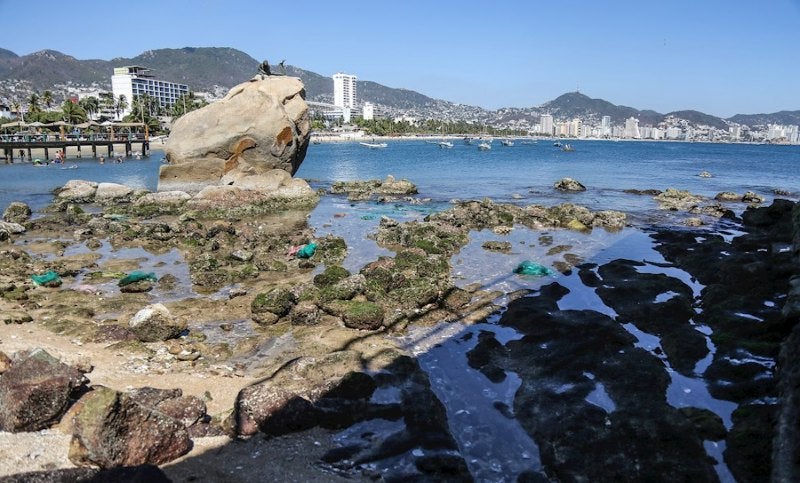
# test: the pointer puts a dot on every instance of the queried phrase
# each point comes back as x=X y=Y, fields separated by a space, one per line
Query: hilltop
x=214 y=70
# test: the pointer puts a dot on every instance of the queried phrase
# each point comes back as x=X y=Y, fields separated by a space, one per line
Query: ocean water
x=523 y=173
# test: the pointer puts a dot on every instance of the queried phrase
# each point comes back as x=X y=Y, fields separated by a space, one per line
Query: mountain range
x=214 y=70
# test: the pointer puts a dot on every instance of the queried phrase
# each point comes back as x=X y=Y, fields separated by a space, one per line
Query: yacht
x=484 y=146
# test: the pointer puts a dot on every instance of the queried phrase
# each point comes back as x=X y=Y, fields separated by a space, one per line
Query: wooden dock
x=21 y=147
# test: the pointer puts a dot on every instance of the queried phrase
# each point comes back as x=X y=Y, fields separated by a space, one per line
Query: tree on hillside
x=47 y=98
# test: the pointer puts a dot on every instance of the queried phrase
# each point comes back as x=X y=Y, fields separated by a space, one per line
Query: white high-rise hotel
x=134 y=81
x=344 y=90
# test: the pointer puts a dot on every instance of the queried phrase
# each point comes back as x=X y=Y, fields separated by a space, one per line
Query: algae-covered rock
x=357 y=314
x=330 y=276
x=17 y=212
x=277 y=301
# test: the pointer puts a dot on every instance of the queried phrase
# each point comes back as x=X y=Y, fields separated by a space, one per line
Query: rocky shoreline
x=268 y=341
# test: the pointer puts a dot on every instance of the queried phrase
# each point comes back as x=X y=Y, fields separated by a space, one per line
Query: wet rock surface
x=310 y=347
x=567 y=357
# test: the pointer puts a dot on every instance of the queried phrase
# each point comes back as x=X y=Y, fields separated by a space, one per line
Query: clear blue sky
x=721 y=57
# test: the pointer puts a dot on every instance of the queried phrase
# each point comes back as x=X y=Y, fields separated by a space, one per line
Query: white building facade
x=546 y=122
x=135 y=81
x=344 y=90
x=632 y=128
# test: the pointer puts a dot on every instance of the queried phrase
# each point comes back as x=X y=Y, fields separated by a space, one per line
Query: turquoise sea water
x=523 y=173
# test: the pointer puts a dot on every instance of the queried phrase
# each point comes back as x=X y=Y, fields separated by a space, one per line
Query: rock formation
x=259 y=126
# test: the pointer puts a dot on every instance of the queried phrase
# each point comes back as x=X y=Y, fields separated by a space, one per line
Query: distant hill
x=200 y=68
x=46 y=68
x=576 y=105
x=699 y=118
x=782 y=117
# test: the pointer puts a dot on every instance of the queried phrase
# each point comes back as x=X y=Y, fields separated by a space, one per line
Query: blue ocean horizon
x=523 y=173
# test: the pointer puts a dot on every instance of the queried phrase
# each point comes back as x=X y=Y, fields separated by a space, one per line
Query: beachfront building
x=546 y=122
x=605 y=126
x=344 y=90
x=134 y=81
x=368 y=111
x=632 y=128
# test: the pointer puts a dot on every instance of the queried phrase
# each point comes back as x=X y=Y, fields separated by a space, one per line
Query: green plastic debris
x=47 y=279
x=307 y=251
x=136 y=276
x=530 y=268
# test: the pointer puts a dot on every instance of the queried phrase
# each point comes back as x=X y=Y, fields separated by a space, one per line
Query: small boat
x=374 y=145
x=468 y=140
x=445 y=144
x=507 y=142
x=568 y=148
x=484 y=146
x=557 y=144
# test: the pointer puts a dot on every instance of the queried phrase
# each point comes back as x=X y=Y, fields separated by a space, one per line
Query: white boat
x=445 y=144
x=484 y=146
x=374 y=145
x=507 y=142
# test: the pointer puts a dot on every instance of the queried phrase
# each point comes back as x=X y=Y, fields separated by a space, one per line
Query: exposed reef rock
x=259 y=126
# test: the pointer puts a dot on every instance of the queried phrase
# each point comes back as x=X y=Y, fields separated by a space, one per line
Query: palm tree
x=33 y=103
x=47 y=98
x=121 y=104
x=73 y=113
x=90 y=104
x=18 y=109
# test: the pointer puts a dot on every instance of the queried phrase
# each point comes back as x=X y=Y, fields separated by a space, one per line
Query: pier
x=21 y=145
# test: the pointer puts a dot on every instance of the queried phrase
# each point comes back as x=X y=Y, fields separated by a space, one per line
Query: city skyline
x=717 y=57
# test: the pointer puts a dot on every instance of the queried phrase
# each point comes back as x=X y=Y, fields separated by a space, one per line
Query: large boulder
x=154 y=323
x=260 y=125
x=17 y=212
x=36 y=391
x=113 y=429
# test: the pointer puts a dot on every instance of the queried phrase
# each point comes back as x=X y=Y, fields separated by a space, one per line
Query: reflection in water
x=492 y=442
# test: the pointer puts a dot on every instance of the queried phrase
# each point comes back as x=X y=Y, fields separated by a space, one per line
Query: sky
x=721 y=57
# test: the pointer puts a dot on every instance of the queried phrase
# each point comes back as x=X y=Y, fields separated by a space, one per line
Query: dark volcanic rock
x=565 y=356
x=36 y=391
